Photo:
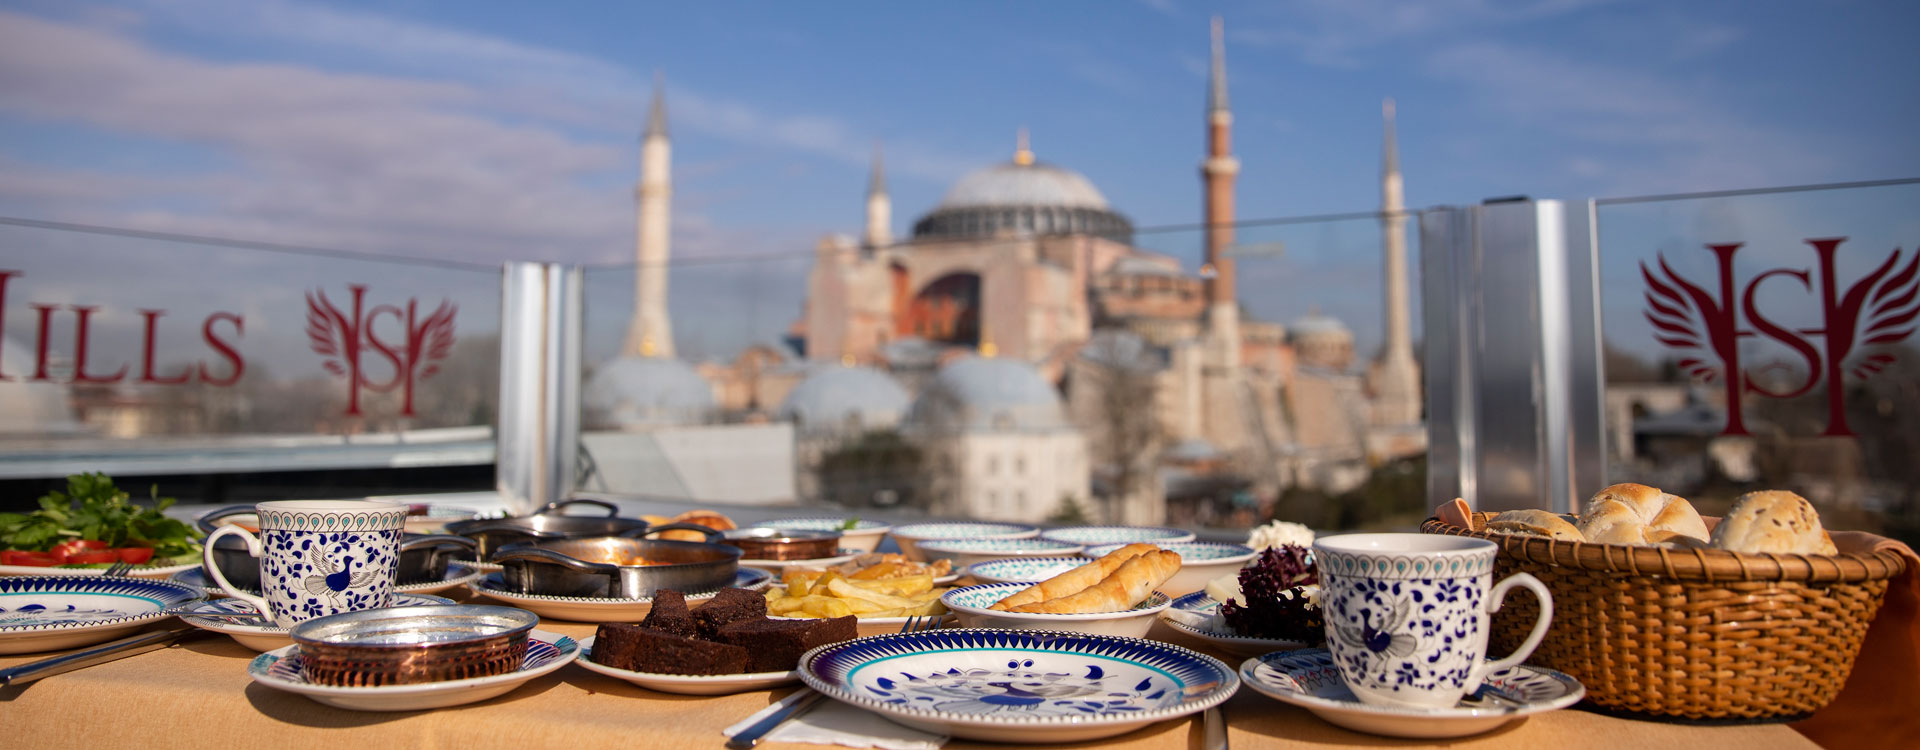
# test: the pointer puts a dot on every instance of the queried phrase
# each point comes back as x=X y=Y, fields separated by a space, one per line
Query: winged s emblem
x=1889 y=312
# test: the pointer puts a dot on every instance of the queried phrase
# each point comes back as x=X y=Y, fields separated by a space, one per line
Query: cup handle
x=253 y=549
x=1494 y=598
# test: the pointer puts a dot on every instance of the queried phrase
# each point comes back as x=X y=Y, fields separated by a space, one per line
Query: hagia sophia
x=1033 y=355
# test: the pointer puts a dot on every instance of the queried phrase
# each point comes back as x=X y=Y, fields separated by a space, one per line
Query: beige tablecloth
x=197 y=695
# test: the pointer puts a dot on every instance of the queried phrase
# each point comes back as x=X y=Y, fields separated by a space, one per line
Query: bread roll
x=1773 y=521
x=1637 y=514
x=1536 y=523
x=707 y=518
x=1131 y=583
x=1073 y=581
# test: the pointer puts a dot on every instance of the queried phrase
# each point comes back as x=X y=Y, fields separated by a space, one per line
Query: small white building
x=998 y=442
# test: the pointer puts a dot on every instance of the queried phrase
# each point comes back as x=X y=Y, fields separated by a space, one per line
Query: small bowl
x=911 y=535
x=1093 y=536
x=970 y=604
x=766 y=543
x=864 y=537
x=964 y=552
x=1200 y=562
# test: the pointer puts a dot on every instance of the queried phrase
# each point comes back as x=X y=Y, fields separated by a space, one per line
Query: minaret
x=879 y=206
x=650 y=334
x=1217 y=174
x=1396 y=378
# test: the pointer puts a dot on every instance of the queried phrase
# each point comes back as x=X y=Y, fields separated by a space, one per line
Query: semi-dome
x=986 y=393
x=646 y=392
x=1023 y=197
x=1315 y=325
x=846 y=398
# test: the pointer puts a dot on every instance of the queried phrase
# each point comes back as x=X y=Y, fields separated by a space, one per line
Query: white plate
x=965 y=552
x=48 y=613
x=280 y=669
x=1308 y=678
x=148 y=573
x=592 y=609
x=1195 y=615
x=970 y=604
x=1094 y=536
x=458 y=574
x=267 y=637
x=911 y=535
x=1019 y=686
x=776 y=566
x=688 y=684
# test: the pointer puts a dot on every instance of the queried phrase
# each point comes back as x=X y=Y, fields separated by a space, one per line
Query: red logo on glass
x=1858 y=326
x=344 y=337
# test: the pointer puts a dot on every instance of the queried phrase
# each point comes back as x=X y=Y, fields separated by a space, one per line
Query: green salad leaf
x=850 y=524
x=93 y=508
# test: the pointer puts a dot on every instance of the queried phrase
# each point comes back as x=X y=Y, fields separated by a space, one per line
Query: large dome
x=1023 y=197
x=1014 y=184
x=981 y=393
x=846 y=398
x=646 y=392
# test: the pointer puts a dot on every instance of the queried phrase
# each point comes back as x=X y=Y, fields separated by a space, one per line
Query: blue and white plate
x=964 y=552
x=281 y=669
x=262 y=635
x=863 y=537
x=47 y=613
x=971 y=605
x=1308 y=678
x=457 y=575
x=1023 y=686
x=1023 y=569
x=594 y=609
x=1200 y=562
x=1098 y=535
x=1198 y=615
x=911 y=535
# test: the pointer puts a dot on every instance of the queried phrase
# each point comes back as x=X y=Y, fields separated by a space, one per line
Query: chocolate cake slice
x=670 y=615
x=728 y=606
x=776 y=645
x=641 y=650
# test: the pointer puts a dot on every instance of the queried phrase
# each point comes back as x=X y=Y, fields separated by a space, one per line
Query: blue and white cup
x=318 y=557
x=1408 y=615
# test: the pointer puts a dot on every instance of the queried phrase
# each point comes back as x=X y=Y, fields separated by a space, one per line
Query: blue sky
x=486 y=130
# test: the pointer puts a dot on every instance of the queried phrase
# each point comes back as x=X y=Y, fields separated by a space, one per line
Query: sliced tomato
x=64 y=550
x=134 y=555
x=93 y=556
x=24 y=557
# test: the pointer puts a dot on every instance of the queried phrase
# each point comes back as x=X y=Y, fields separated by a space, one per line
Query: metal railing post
x=540 y=334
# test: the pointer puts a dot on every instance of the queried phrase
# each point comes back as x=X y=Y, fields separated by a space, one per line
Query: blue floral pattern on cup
x=319 y=558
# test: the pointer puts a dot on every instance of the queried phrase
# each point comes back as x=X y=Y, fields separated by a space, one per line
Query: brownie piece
x=670 y=615
x=643 y=650
x=776 y=645
x=616 y=644
x=728 y=606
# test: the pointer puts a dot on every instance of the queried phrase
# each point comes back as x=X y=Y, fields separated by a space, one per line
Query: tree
x=1068 y=512
x=877 y=469
x=1120 y=374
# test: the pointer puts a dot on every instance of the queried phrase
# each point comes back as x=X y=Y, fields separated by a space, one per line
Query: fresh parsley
x=850 y=524
x=93 y=508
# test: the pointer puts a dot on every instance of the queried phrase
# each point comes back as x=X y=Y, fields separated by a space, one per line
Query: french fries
x=830 y=594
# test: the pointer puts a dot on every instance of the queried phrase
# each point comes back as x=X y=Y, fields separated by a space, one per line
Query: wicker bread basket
x=1698 y=634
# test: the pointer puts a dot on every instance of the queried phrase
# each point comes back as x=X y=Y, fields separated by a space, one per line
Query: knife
x=101 y=654
x=747 y=738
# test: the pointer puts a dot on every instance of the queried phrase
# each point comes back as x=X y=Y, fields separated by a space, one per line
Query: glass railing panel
x=139 y=354
x=1764 y=340
x=1057 y=379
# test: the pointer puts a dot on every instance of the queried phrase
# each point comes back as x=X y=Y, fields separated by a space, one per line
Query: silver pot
x=598 y=567
x=423 y=557
x=493 y=534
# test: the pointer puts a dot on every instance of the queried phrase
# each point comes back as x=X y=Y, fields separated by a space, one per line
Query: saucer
x=267 y=637
x=687 y=684
x=48 y=613
x=1308 y=678
x=280 y=669
x=1196 y=614
x=594 y=609
x=458 y=574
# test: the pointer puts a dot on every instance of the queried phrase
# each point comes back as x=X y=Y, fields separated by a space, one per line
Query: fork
x=118 y=569
x=921 y=624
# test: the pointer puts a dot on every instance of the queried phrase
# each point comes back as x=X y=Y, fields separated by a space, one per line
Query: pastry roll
x=1132 y=582
x=1535 y=522
x=1072 y=581
x=1637 y=514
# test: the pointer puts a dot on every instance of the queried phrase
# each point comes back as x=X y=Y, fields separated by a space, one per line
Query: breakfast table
x=198 y=694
